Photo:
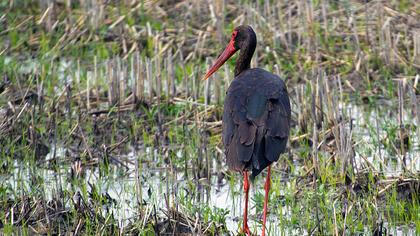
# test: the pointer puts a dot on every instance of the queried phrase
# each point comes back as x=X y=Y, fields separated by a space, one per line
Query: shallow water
x=374 y=119
x=156 y=181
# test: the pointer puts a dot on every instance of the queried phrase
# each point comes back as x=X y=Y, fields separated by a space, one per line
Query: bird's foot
x=246 y=231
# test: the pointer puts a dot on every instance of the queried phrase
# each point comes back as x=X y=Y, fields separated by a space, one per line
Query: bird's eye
x=234 y=34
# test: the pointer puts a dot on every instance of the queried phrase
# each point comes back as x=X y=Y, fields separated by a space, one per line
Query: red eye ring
x=234 y=33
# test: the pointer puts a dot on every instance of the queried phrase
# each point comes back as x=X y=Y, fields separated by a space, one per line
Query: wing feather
x=256 y=120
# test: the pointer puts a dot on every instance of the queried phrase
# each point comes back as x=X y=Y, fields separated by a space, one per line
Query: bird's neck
x=244 y=60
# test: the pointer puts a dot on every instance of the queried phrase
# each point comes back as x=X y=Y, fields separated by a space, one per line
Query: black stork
x=256 y=116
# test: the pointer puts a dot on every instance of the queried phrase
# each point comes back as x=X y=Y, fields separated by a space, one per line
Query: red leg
x=267 y=190
x=246 y=190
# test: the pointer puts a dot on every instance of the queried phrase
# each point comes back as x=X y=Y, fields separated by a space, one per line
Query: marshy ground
x=107 y=128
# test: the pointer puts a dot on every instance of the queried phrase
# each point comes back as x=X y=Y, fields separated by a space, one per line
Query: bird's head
x=241 y=36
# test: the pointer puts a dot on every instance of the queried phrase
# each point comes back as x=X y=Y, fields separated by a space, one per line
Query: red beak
x=226 y=54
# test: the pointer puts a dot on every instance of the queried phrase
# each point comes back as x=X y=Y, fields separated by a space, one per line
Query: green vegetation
x=106 y=127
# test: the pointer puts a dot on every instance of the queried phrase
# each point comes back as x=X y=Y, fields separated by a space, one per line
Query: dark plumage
x=256 y=120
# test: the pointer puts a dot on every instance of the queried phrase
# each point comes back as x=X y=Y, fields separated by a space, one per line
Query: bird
x=256 y=116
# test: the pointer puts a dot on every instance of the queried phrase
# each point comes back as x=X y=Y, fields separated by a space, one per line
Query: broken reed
x=324 y=121
x=309 y=30
x=172 y=76
x=301 y=23
x=136 y=79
